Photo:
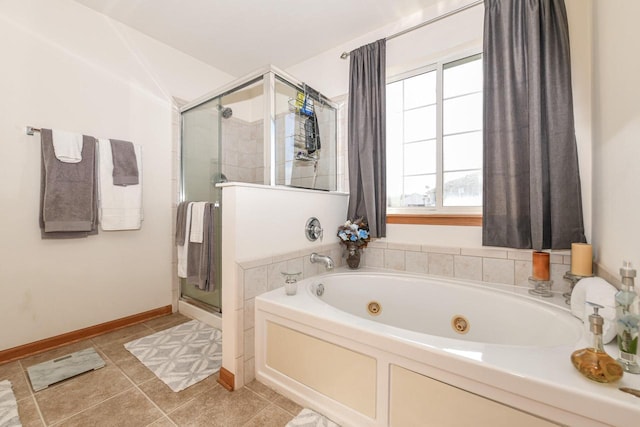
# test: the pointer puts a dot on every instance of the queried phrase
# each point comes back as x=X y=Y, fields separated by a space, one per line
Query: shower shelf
x=302 y=106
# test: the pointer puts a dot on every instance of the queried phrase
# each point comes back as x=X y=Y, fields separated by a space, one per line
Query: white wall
x=461 y=32
x=616 y=131
x=65 y=66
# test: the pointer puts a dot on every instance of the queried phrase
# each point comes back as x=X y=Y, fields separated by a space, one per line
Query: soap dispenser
x=593 y=362
x=627 y=320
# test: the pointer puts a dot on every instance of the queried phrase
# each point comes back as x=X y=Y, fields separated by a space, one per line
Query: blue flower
x=353 y=238
x=363 y=234
x=343 y=235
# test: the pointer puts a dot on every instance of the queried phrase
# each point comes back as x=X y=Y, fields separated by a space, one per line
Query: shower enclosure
x=267 y=129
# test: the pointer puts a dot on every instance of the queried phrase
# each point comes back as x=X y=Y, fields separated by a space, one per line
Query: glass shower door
x=201 y=132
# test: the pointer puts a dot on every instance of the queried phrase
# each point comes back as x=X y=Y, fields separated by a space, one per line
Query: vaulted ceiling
x=239 y=36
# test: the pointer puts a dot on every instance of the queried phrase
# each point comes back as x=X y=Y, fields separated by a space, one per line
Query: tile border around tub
x=501 y=265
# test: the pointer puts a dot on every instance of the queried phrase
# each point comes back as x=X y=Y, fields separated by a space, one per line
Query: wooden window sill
x=474 y=220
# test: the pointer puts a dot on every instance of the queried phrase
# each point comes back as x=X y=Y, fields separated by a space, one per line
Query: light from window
x=434 y=137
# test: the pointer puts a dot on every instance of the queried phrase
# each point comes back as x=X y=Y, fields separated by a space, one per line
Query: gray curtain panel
x=531 y=182
x=367 y=137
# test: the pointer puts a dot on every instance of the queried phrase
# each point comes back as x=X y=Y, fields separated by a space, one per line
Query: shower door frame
x=268 y=75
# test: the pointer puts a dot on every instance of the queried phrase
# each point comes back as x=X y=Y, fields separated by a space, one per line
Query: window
x=434 y=139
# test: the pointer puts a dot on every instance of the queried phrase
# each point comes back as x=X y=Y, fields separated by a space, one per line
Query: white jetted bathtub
x=373 y=348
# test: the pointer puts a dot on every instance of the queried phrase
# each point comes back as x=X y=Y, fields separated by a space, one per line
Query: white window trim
x=438 y=67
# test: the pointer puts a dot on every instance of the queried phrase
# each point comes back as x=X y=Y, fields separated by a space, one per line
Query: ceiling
x=240 y=36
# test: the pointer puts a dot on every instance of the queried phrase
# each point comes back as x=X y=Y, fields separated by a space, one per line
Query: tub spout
x=326 y=259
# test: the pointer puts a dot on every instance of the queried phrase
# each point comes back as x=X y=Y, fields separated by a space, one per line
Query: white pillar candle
x=581 y=259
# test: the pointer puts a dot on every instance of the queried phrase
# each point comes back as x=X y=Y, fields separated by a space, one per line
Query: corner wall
x=616 y=122
x=65 y=66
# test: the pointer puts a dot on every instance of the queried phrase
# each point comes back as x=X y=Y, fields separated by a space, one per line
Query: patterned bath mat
x=181 y=356
x=8 y=406
x=309 y=418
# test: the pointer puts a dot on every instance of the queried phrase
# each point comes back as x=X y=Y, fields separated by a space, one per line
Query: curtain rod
x=345 y=55
x=29 y=130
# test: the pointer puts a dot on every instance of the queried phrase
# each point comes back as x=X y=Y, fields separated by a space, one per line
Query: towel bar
x=30 y=130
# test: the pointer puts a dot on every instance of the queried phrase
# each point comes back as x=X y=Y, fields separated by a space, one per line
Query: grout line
x=59 y=422
x=138 y=388
x=31 y=393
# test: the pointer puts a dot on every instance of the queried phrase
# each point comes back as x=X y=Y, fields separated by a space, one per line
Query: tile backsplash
x=506 y=266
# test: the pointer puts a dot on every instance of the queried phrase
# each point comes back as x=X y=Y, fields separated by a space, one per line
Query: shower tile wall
x=243 y=150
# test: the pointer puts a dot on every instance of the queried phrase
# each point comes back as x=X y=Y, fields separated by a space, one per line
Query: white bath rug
x=181 y=356
x=309 y=418
x=8 y=406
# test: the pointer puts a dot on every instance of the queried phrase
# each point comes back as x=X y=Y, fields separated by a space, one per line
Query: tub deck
x=537 y=380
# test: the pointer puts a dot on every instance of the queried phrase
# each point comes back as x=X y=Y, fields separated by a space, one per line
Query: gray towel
x=181 y=223
x=200 y=257
x=125 y=166
x=68 y=191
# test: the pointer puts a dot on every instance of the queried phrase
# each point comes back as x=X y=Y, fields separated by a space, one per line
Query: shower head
x=226 y=112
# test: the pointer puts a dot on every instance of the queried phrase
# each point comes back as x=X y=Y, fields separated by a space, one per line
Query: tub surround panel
x=293 y=353
x=416 y=399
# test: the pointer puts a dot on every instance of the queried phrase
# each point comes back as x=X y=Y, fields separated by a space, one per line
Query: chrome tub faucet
x=325 y=259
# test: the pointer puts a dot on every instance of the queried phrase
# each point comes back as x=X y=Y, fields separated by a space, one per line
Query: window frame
x=438 y=215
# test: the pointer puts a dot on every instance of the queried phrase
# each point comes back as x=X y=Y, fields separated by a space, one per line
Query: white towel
x=120 y=207
x=183 y=250
x=598 y=291
x=67 y=146
x=197 y=222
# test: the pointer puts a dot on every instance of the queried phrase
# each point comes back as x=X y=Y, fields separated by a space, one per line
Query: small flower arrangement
x=354 y=231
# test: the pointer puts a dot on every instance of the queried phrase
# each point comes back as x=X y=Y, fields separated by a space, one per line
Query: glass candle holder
x=290 y=282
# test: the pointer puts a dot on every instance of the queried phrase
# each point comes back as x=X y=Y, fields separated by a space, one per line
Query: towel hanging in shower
x=200 y=268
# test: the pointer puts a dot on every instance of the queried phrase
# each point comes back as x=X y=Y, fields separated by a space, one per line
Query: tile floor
x=126 y=393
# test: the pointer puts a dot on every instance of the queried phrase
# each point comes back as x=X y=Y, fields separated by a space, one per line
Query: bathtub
x=375 y=348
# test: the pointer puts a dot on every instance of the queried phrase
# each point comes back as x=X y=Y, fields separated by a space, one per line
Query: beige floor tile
x=288 y=405
x=262 y=390
x=219 y=407
x=271 y=416
x=13 y=372
x=128 y=363
x=162 y=422
x=167 y=399
x=28 y=413
x=168 y=321
x=130 y=408
x=122 y=336
x=81 y=392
